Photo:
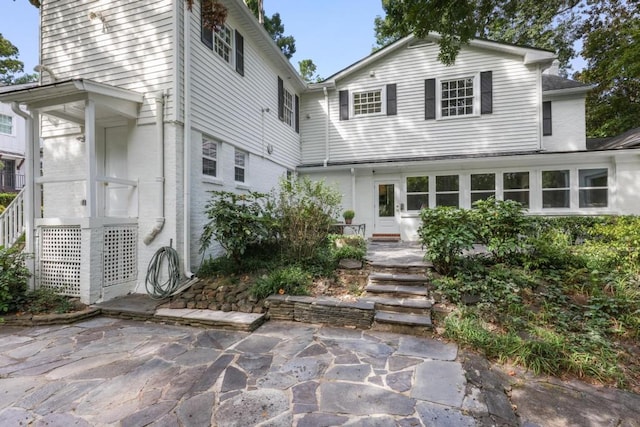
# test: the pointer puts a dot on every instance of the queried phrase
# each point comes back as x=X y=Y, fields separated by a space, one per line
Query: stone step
x=397 y=290
x=211 y=318
x=398 y=279
x=401 y=305
x=408 y=319
x=381 y=237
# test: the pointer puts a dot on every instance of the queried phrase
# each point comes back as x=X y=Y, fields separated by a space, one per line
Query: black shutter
x=297 y=114
x=546 y=118
x=392 y=109
x=280 y=99
x=344 y=105
x=239 y=53
x=430 y=99
x=207 y=34
x=486 y=92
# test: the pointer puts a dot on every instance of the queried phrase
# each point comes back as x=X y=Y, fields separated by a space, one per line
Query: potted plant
x=348 y=216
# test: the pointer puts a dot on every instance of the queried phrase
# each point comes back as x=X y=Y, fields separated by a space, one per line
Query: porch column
x=90 y=152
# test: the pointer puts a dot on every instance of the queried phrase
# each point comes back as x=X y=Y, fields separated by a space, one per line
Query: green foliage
x=13 y=278
x=307 y=70
x=46 y=300
x=305 y=210
x=615 y=246
x=500 y=225
x=353 y=247
x=348 y=214
x=446 y=232
x=237 y=221
x=275 y=28
x=291 y=280
x=7 y=198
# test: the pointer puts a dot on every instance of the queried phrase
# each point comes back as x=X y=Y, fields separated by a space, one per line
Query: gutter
x=186 y=144
x=326 y=130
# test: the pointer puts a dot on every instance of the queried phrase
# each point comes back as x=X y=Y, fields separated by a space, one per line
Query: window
x=6 y=124
x=209 y=157
x=417 y=192
x=456 y=97
x=288 y=112
x=448 y=190
x=483 y=186
x=546 y=118
x=369 y=102
x=240 y=166
x=593 y=188
x=556 y=189
x=516 y=187
x=223 y=43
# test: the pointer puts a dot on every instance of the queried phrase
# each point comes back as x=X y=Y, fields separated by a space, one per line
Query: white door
x=115 y=166
x=387 y=207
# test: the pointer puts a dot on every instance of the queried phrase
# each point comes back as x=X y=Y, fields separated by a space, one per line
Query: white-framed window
x=223 y=43
x=417 y=192
x=483 y=186
x=448 y=190
x=367 y=102
x=556 y=189
x=458 y=97
x=515 y=186
x=593 y=188
x=6 y=124
x=288 y=108
x=209 y=157
x=240 y=163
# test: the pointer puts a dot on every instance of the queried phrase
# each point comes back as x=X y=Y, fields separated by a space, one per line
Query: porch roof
x=66 y=100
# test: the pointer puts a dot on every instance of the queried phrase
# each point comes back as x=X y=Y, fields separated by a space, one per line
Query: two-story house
x=142 y=111
x=399 y=131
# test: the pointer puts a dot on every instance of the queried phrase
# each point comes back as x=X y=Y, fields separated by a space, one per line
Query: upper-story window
x=288 y=108
x=223 y=43
x=6 y=124
x=367 y=102
x=227 y=43
x=209 y=157
x=456 y=97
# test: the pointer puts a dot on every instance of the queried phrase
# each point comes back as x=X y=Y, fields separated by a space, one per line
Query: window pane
x=592 y=177
x=482 y=195
x=555 y=179
x=418 y=184
x=518 y=196
x=594 y=198
x=239 y=174
x=484 y=181
x=516 y=180
x=447 y=200
x=556 y=199
x=386 y=200
x=415 y=202
x=447 y=183
x=367 y=102
x=239 y=158
x=209 y=148
x=209 y=167
x=456 y=97
x=6 y=124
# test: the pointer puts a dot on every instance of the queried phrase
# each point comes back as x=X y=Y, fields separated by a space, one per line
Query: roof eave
x=581 y=90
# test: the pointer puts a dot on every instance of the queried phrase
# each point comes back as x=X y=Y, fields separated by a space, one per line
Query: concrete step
x=406 y=319
x=398 y=290
x=232 y=320
x=401 y=305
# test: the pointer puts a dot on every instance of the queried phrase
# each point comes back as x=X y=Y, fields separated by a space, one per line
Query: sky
x=334 y=36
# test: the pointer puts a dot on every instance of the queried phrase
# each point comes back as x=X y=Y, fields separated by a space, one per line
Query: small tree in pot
x=348 y=216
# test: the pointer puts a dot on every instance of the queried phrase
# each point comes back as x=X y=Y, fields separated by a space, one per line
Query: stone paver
x=103 y=372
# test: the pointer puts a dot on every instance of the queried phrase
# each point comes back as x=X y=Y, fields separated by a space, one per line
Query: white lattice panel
x=120 y=254
x=60 y=249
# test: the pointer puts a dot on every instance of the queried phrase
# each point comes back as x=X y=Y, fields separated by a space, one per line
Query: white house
x=12 y=138
x=141 y=111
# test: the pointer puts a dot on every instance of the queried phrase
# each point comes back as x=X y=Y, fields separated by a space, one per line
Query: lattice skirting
x=120 y=254
x=60 y=259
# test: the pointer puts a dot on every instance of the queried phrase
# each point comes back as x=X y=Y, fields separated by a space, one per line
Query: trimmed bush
x=13 y=278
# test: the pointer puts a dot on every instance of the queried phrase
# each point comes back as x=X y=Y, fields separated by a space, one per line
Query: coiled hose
x=155 y=289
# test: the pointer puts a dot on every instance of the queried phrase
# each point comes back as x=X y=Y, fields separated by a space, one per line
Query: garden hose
x=155 y=289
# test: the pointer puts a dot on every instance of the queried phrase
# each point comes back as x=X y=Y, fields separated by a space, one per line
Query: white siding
x=568 y=125
x=132 y=50
x=513 y=125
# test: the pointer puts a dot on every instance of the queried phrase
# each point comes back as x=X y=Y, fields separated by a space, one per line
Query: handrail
x=12 y=221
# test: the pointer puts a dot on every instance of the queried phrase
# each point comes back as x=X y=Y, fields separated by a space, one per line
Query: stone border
x=328 y=311
x=50 y=319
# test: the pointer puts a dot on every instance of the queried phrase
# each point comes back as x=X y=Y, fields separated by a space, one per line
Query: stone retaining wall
x=329 y=311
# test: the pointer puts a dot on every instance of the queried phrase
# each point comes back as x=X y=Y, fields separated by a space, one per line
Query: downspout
x=160 y=177
x=186 y=141
x=29 y=200
x=353 y=188
x=540 y=98
x=326 y=128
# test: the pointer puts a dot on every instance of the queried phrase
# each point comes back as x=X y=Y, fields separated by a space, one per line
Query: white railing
x=12 y=221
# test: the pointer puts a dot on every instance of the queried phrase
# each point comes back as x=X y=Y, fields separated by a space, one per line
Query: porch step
x=398 y=290
x=407 y=279
x=385 y=237
x=401 y=305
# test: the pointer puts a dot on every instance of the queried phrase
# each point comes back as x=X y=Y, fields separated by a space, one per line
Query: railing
x=11 y=182
x=12 y=221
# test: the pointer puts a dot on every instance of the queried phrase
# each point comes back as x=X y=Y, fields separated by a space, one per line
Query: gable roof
x=552 y=84
x=628 y=139
x=529 y=55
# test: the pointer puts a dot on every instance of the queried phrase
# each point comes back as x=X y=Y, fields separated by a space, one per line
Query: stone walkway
x=109 y=371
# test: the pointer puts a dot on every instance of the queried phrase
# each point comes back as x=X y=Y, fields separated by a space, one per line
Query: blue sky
x=334 y=35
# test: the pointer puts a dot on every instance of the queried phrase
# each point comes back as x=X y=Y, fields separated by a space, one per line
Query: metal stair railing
x=12 y=221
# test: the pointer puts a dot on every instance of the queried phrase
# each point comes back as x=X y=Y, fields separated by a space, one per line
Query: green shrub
x=501 y=225
x=614 y=245
x=13 y=278
x=46 y=300
x=446 y=232
x=347 y=247
x=291 y=280
x=7 y=198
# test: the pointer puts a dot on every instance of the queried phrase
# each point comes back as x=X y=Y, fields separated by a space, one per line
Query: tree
x=611 y=48
x=275 y=28
x=545 y=24
x=10 y=65
x=308 y=71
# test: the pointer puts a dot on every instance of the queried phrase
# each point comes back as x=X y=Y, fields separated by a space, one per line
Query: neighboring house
x=142 y=112
x=399 y=131
x=12 y=142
